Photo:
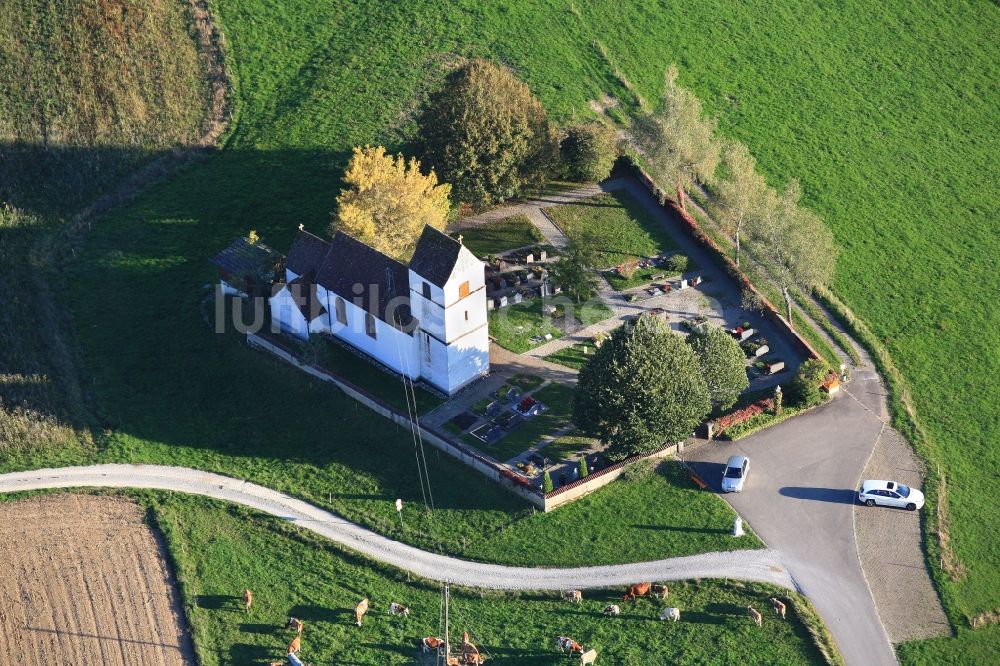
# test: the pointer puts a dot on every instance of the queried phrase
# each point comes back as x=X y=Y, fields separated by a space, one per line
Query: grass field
x=586 y=531
x=219 y=551
x=499 y=236
x=514 y=326
x=616 y=226
x=573 y=356
x=884 y=111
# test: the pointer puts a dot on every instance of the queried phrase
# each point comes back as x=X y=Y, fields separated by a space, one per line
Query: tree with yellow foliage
x=388 y=201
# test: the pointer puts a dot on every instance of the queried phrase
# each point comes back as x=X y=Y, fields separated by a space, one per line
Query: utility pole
x=447 y=639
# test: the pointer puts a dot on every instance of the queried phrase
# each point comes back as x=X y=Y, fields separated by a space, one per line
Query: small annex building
x=426 y=320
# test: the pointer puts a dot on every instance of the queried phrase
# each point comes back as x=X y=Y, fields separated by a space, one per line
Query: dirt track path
x=84 y=581
x=755 y=565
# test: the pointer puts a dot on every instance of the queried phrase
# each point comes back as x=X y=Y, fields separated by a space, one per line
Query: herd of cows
x=470 y=655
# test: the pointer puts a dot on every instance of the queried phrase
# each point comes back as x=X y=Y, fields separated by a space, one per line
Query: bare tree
x=677 y=140
x=740 y=192
x=793 y=244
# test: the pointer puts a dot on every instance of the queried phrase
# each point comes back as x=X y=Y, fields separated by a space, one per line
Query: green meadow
x=885 y=111
x=219 y=550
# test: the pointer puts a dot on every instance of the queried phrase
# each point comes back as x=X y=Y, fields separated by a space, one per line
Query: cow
x=398 y=609
x=660 y=591
x=432 y=643
x=588 y=657
x=573 y=596
x=295 y=645
x=639 y=590
x=247 y=600
x=470 y=653
x=672 y=614
x=568 y=645
x=778 y=606
x=754 y=615
x=295 y=624
x=360 y=610
x=612 y=610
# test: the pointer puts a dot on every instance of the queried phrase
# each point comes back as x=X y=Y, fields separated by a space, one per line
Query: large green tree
x=588 y=152
x=723 y=364
x=642 y=388
x=487 y=135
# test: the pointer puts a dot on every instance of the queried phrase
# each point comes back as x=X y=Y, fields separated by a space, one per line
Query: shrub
x=678 y=263
x=547 y=482
x=804 y=389
x=584 y=472
x=588 y=152
x=735 y=418
x=487 y=135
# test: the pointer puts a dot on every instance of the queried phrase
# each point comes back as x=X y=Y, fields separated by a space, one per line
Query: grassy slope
x=88 y=91
x=218 y=551
x=883 y=111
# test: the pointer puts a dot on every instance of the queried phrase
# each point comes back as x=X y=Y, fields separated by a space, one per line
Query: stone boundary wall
x=488 y=467
x=695 y=231
x=599 y=479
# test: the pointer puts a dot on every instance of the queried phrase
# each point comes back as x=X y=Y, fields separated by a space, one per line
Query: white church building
x=426 y=320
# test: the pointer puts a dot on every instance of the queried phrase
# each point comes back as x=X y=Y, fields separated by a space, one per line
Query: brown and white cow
x=247 y=600
x=754 y=615
x=398 y=609
x=295 y=624
x=573 y=596
x=568 y=645
x=612 y=610
x=470 y=653
x=778 y=606
x=432 y=643
x=295 y=645
x=360 y=610
x=588 y=657
x=660 y=591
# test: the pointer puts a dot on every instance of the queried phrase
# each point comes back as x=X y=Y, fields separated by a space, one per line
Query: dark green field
x=885 y=111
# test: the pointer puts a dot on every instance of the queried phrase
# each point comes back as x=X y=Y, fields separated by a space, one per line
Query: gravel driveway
x=755 y=565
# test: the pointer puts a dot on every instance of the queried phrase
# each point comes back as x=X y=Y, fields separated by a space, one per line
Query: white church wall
x=391 y=347
x=287 y=314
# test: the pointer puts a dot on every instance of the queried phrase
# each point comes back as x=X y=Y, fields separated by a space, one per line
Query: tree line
x=680 y=147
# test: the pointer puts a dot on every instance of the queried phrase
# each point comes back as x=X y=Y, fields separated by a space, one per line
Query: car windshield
x=902 y=490
x=733 y=472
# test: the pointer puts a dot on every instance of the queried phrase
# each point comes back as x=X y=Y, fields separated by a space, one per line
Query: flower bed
x=727 y=421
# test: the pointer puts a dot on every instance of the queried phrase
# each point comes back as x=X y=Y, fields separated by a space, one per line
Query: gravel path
x=754 y=565
x=889 y=547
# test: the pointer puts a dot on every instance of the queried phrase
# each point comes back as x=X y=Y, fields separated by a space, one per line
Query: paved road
x=755 y=565
x=800 y=500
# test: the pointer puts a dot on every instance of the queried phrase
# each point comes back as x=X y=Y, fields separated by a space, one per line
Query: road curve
x=755 y=565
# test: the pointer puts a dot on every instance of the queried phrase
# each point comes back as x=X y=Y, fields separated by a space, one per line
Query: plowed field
x=84 y=581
